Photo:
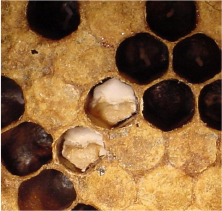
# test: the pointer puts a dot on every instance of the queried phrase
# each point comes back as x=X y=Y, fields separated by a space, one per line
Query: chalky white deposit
x=113 y=91
x=112 y=102
x=83 y=146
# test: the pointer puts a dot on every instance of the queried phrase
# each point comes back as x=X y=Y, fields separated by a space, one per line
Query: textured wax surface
x=145 y=168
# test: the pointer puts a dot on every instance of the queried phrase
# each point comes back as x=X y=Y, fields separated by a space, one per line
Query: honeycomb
x=167 y=161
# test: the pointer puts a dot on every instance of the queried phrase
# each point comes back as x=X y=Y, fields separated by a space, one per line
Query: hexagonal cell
x=171 y=20
x=142 y=58
x=192 y=150
x=165 y=188
x=111 y=103
x=26 y=148
x=12 y=101
x=50 y=190
x=210 y=104
x=83 y=207
x=80 y=148
x=53 y=19
x=207 y=189
x=140 y=152
x=168 y=104
x=197 y=58
x=113 y=190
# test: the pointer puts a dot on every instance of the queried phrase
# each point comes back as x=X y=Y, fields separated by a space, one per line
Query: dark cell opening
x=12 y=101
x=168 y=104
x=171 y=20
x=210 y=104
x=34 y=51
x=25 y=148
x=197 y=58
x=83 y=207
x=53 y=19
x=142 y=58
x=50 y=190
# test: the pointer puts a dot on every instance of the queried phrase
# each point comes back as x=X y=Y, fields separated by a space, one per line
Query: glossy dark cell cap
x=12 y=101
x=25 y=148
x=171 y=20
x=83 y=207
x=168 y=104
x=50 y=190
x=210 y=104
x=197 y=58
x=53 y=19
x=142 y=58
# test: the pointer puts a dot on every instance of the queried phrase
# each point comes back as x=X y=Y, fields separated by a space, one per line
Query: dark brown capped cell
x=142 y=58
x=83 y=207
x=210 y=104
x=50 y=190
x=171 y=20
x=197 y=58
x=25 y=148
x=12 y=101
x=168 y=104
x=53 y=19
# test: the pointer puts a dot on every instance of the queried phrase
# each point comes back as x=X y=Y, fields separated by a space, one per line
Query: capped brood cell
x=12 y=101
x=26 y=148
x=53 y=19
x=49 y=190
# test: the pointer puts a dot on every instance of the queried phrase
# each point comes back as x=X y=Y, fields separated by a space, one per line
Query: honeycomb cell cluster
x=111 y=105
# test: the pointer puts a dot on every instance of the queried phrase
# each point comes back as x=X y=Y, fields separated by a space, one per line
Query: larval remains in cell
x=113 y=91
x=112 y=102
x=83 y=146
